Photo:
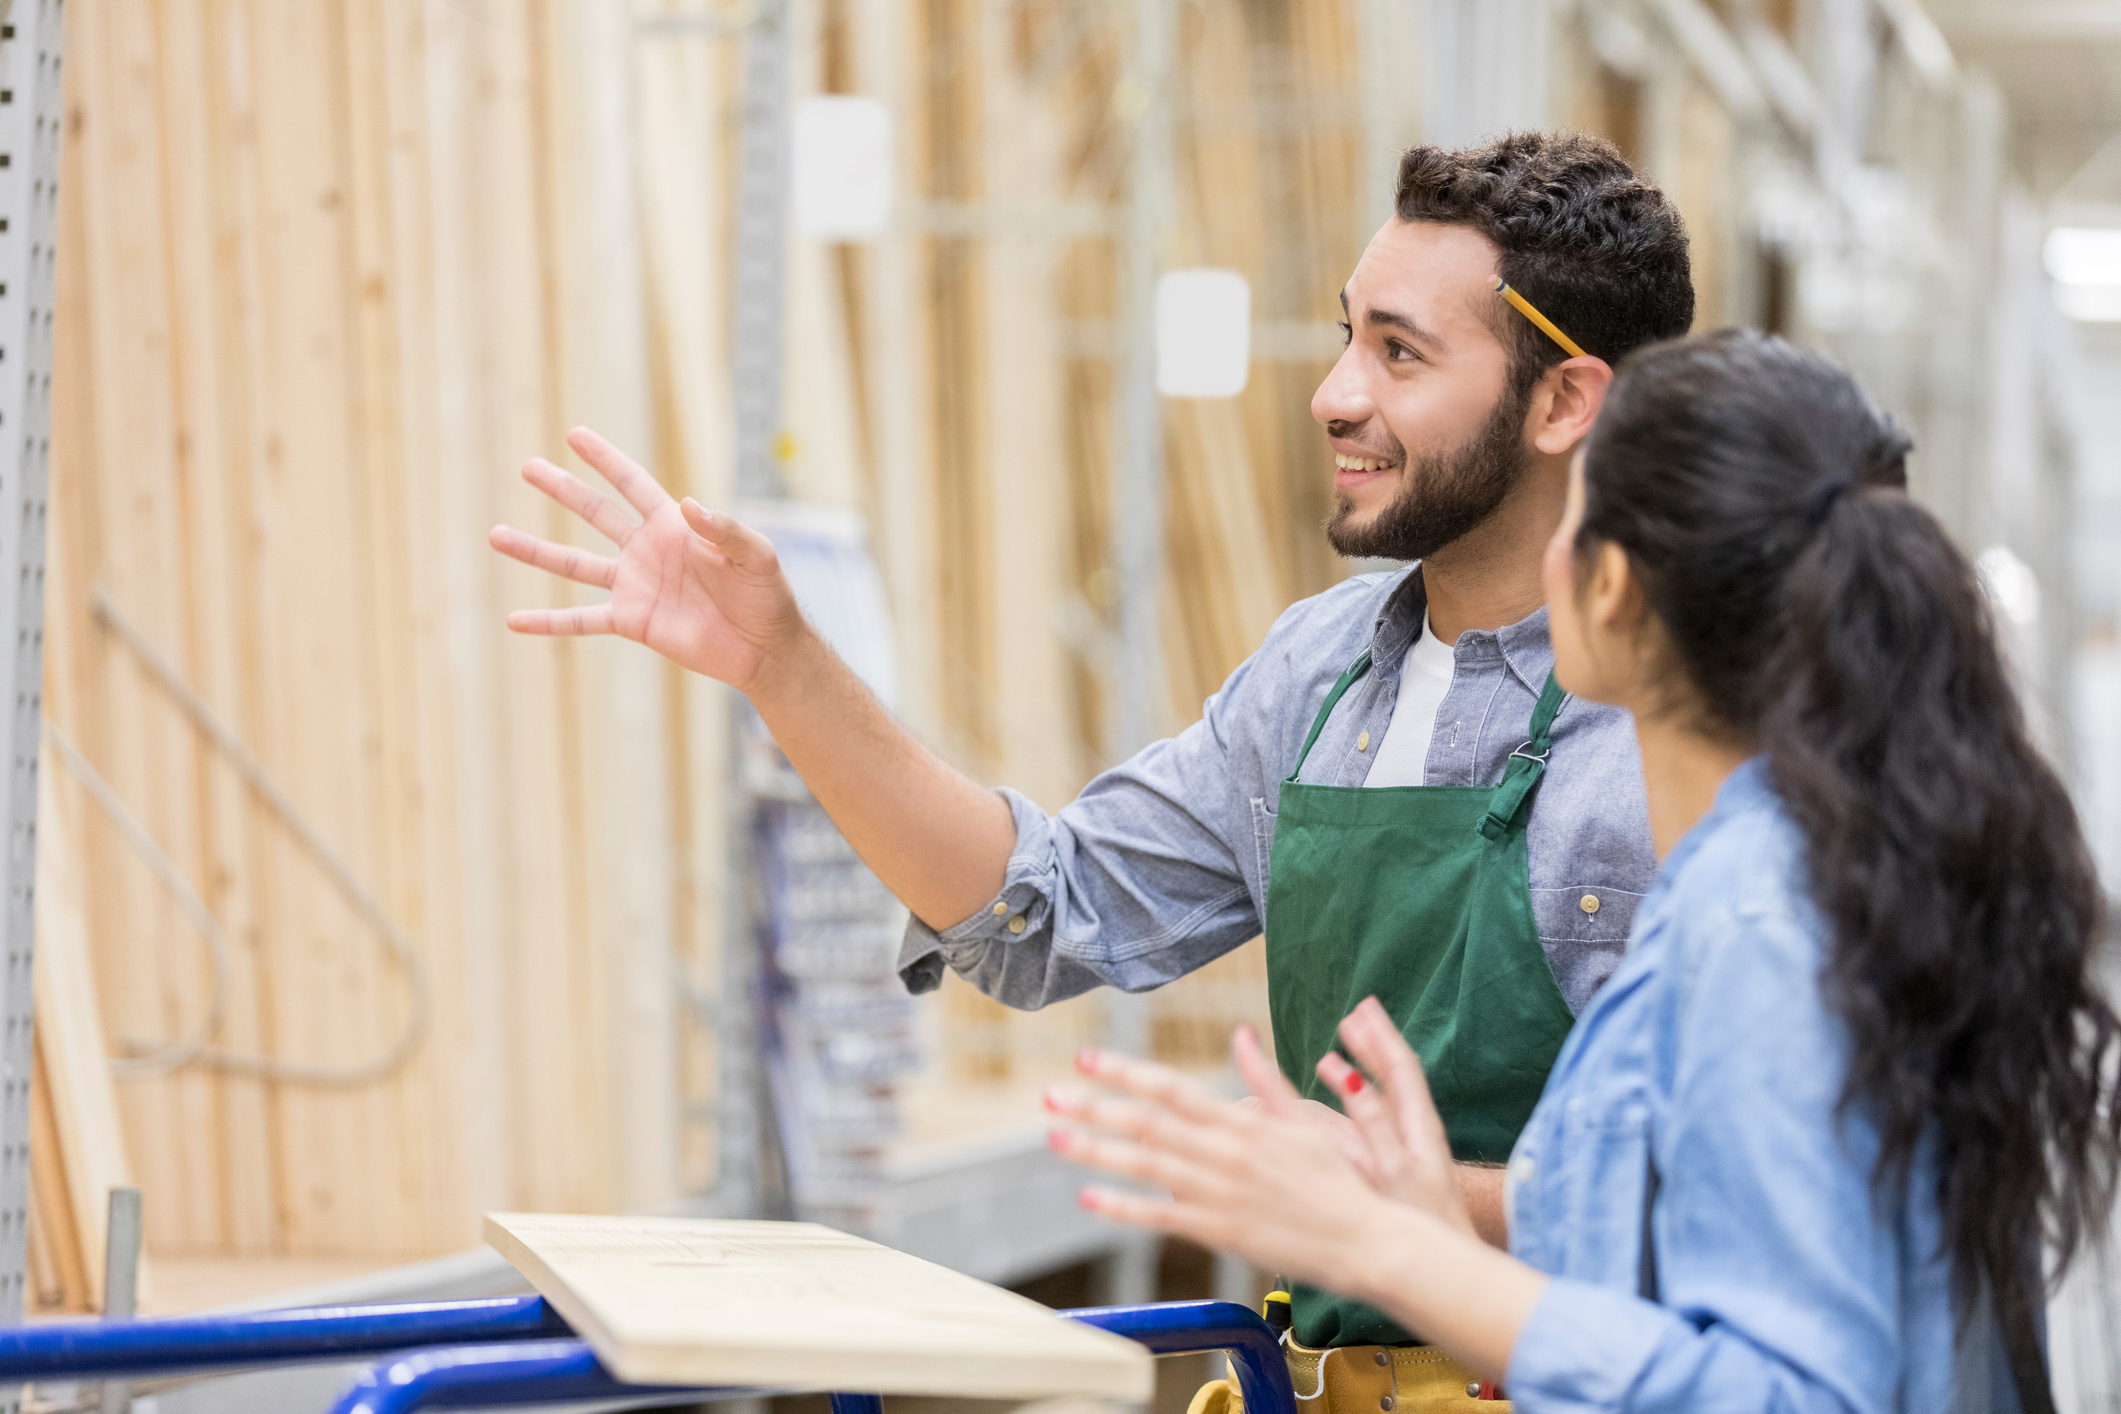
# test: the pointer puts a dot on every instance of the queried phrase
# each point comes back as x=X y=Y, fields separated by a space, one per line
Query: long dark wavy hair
x=1812 y=608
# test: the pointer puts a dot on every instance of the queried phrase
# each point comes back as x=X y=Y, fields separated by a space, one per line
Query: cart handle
x=161 y=1345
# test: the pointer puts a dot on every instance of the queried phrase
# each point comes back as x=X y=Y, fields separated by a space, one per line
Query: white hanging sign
x=1203 y=333
x=841 y=189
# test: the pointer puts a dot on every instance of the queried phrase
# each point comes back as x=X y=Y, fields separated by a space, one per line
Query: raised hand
x=695 y=585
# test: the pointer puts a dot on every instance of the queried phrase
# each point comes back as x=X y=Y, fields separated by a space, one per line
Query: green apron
x=1421 y=897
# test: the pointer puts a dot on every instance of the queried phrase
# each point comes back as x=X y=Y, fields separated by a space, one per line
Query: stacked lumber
x=329 y=273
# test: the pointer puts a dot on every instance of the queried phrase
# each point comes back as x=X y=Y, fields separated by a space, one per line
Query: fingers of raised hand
x=562 y=623
x=1383 y=1157
x=627 y=476
x=1341 y=1130
x=1143 y=1162
x=1124 y=1117
x=563 y=560
x=1262 y=1076
x=603 y=516
x=1215 y=1141
x=1376 y=1042
x=1155 y=1214
x=742 y=545
x=1150 y=1081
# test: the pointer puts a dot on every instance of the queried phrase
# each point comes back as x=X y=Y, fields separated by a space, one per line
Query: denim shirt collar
x=1524 y=645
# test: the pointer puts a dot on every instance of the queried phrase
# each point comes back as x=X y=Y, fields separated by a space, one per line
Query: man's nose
x=1341 y=402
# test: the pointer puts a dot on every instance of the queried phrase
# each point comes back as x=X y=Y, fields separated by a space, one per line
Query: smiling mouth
x=1343 y=462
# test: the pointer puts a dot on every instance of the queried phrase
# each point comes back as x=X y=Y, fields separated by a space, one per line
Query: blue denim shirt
x=1160 y=865
x=1786 y=1280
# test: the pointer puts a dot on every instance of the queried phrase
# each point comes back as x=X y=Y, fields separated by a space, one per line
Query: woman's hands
x=1270 y=1176
x=1367 y=1205
x=1255 y=1179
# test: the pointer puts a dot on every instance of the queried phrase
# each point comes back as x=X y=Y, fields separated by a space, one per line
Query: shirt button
x=1588 y=903
x=1016 y=924
x=1386 y=1404
x=1362 y=743
x=1000 y=909
x=1382 y=1358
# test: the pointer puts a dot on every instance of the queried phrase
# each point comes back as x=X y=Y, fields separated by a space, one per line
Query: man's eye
x=1347 y=333
x=1397 y=350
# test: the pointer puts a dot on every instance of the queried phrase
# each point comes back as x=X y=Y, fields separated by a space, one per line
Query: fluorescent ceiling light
x=2090 y=304
x=2084 y=255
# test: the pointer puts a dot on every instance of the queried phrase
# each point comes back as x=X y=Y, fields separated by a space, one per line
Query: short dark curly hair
x=1595 y=247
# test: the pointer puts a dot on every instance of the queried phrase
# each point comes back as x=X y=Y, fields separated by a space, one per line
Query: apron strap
x=1318 y=724
x=1527 y=764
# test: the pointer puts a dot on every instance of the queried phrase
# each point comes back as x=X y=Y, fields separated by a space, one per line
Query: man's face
x=1426 y=443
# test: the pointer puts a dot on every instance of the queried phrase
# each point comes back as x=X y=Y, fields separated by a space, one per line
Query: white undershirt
x=1424 y=679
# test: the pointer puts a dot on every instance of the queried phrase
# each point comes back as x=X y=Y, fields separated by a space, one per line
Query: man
x=1480 y=921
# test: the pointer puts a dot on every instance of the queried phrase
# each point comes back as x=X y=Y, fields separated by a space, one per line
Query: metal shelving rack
x=30 y=32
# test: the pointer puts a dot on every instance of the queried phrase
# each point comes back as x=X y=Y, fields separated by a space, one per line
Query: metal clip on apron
x=1421 y=897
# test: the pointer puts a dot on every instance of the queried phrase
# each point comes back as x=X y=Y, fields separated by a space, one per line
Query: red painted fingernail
x=1086 y=1060
x=1353 y=1083
x=1057 y=1140
x=1086 y=1199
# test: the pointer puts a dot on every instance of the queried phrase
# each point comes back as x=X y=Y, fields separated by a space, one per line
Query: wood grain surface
x=802 y=1307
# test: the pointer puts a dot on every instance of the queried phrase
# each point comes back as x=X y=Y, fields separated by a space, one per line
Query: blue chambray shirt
x=1786 y=1281
x=1160 y=865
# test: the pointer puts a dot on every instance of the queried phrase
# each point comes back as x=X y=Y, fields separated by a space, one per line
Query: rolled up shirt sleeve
x=1156 y=869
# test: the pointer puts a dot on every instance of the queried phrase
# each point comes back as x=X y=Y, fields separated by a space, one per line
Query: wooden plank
x=209 y=370
x=683 y=127
x=461 y=679
x=72 y=1073
x=802 y=1306
x=316 y=731
x=58 y=1276
x=151 y=964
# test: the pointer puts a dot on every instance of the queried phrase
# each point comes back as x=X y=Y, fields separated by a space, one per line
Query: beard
x=1445 y=495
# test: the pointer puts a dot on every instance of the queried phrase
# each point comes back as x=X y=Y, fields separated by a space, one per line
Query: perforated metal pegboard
x=30 y=117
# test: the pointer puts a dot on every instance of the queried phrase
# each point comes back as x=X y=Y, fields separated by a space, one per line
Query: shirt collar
x=1398 y=623
x=1525 y=645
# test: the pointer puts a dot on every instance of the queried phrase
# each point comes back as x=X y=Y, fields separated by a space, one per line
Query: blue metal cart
x=517 y=1350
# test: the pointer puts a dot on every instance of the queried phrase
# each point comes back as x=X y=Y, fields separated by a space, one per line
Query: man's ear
x=1570 y=396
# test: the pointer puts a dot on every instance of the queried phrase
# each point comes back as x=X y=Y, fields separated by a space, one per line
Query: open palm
x=695 y=585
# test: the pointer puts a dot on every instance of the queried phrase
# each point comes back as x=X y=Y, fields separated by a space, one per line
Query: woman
x=1802 y=1150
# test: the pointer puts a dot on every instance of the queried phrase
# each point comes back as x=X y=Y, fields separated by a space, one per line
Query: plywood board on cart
x=802 y=1306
